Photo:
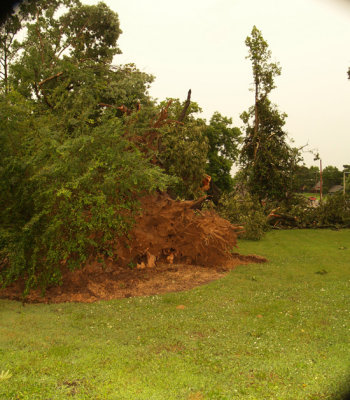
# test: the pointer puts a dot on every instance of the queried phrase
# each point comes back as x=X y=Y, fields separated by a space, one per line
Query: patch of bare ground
x=94 y=282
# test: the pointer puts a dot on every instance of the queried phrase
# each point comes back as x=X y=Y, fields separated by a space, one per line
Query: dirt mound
x=178 y=232
x=173 y=246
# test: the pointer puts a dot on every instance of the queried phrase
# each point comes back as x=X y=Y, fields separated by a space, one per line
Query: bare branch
x=184 y=110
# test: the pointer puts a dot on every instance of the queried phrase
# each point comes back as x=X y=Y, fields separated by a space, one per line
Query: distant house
x=317 y=187
x=335 y=189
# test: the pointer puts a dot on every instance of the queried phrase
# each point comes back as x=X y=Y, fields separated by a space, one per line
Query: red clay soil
x=173 y=247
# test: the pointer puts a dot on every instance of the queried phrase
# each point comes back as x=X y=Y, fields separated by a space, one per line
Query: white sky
x=199 y=44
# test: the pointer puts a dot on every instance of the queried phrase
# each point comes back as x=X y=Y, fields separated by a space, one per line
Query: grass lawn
x=307 y=195
x=279 y=330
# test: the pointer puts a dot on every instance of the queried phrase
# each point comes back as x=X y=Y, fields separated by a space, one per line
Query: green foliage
x=25 y=12
x=68 y=57
x=67 y=197
x=89 y=32
x=268 y=161
x=306 y=178
x=264 y=71
x=334 y=211
x=70 y=171
x=331 y=176
x=245 y=211
x=223 y=141
x=182 y=147
x=192 y=148
x=184 y=156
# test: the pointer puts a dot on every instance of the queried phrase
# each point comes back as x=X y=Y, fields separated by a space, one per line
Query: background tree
x=8 y=32
x=268 y=161
x=306 y=177
x=223 y=150
x=331 y=176
x=65 y=64
x=183 y=149
x=26 y=11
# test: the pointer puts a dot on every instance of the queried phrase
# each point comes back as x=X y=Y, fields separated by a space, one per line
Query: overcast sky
x=199 y=44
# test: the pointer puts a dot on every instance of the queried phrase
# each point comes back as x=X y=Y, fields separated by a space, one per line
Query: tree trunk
x=256 y=122
x=5 y=70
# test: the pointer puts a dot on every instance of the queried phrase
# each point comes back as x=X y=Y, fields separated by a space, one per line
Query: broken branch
x=184 y=110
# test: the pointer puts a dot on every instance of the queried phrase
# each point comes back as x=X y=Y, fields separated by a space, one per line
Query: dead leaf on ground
x=196 y=396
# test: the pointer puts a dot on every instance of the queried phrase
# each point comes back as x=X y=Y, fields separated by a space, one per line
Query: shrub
x=333 y=212
x=244 y=211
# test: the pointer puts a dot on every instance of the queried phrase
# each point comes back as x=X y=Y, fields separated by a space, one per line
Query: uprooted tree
x=81 y=142
x=70 y=173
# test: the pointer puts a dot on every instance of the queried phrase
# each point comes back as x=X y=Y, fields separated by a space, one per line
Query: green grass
x=266 y=331
x=307 y=195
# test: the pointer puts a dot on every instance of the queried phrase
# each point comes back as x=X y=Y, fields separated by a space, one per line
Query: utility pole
x=321 y=181
x=344 y=181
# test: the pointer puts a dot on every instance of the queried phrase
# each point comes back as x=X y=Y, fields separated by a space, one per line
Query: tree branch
x=69 y=43
x=106 y=105
x=50 y=78
x=36 y=89
x=184 y=110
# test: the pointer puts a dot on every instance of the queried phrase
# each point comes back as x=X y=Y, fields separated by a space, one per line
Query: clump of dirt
x=178 y=232
x=173 y=246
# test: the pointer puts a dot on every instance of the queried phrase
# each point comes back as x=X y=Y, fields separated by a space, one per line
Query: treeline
x=308 y=178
